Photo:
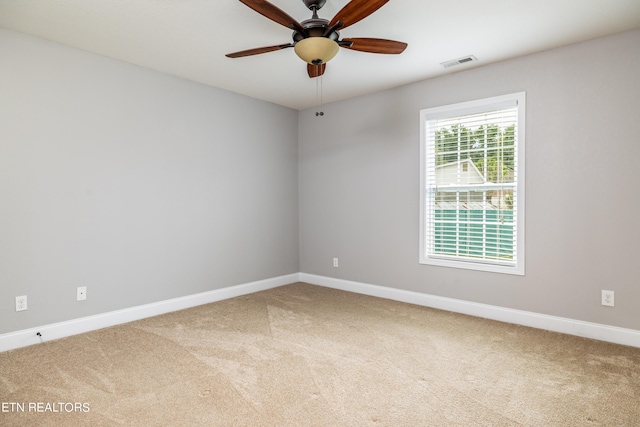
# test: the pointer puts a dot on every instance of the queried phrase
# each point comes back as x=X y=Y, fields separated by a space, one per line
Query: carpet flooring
x=303 y=355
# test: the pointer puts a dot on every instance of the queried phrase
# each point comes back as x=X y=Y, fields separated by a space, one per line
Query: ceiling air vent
x=459 y=61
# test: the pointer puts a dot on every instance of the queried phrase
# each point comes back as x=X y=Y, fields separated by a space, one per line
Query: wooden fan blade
x=257 y=51
x=356 y=10
x=375 y=45
x=316 y=70
x=274 y=13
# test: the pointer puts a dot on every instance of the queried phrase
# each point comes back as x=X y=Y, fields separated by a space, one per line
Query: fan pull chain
x=319 y=91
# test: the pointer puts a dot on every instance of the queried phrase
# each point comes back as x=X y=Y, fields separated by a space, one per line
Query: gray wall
x=144 y=187
x=139 y=185
x=359 y=184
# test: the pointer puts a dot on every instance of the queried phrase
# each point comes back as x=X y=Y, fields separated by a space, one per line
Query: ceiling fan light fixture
x=316 y=50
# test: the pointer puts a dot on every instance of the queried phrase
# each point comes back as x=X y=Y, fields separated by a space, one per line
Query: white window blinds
x=471 y=185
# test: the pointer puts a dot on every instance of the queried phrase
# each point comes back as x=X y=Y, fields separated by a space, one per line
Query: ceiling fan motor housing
x=315 y=27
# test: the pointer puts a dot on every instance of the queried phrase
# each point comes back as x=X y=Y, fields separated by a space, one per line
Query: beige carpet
x=302 y=355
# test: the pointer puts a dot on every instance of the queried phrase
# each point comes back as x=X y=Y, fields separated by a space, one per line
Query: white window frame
x=462 y=109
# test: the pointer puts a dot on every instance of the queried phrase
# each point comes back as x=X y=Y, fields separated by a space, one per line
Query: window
x=472 y=185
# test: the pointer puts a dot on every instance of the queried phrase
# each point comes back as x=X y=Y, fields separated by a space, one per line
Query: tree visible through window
x=472 y=185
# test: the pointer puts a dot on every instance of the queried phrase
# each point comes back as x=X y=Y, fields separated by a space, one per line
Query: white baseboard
x=630 y=337
x=579 y=328
x=53 y=331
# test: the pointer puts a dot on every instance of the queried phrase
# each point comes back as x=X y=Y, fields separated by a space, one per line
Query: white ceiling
x=189 y=38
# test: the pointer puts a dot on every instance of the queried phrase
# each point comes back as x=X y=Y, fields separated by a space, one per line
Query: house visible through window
x=472 y=173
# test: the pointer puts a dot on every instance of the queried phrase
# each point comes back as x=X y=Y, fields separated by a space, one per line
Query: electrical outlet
x=82 y=293
x=21 y=303
x=608 y=298
x=335 y=262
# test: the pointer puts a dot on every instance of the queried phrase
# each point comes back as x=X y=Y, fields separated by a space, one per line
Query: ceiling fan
x=316 y=41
